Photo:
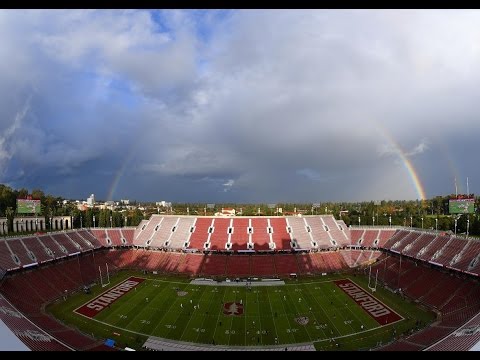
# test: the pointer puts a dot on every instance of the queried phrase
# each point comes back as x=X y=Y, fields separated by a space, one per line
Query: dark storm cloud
x=238 y=105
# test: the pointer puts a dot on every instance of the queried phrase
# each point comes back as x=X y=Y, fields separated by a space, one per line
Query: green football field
x=309 y=310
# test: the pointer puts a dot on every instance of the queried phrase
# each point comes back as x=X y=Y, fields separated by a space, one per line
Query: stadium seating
x=200 y=234
x=17 y=248
x=300 y=234
x=240 y=236
x=261 y=237
x=181 y=235
x=438 y=271
x=220 y=236
x=280 y=237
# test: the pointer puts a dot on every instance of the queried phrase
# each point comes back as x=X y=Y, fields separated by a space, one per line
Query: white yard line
x=190 y=319
x=326 y=315
x=271 y=309
x=220 y=314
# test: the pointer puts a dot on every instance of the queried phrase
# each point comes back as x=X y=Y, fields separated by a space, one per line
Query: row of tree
x=54 y=206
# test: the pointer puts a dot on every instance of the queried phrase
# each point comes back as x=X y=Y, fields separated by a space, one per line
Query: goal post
x=107 y=276
x=372 y=288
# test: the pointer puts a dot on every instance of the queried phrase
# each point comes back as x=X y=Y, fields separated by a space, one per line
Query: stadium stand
x=439 y=271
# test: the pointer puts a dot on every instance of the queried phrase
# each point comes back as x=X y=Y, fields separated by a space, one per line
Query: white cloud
x=309 y=174
x=5 y=138
x=419 y=149
x=228 y=185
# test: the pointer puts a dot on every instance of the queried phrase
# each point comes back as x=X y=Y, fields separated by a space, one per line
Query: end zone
x=93 y=307
x=374 y=307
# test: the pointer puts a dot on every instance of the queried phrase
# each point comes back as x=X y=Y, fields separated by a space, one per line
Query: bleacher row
x=34 y=337
x=452 y=294
x=28 y=251
x=241 y=234
x=461 y=339
x=240 y=265
x=456 y=253
x=29 y=290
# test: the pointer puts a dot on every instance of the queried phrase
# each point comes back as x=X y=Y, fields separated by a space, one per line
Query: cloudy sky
x=240 y=106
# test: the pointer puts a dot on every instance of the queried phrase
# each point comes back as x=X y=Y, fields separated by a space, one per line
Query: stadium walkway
x=159 y=344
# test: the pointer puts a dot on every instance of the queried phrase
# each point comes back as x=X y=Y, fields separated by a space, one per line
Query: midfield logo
x=303 y=320
x=232 y=308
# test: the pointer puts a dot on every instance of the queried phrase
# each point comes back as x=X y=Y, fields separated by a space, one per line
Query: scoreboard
x=461 y=206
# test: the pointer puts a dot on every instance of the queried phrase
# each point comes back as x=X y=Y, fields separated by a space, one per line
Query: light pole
x=111 y=222
x=436 y=224
x=373 y=219
x=422 y=222
x=411 y=221
x=94 y=221
x=390 y=220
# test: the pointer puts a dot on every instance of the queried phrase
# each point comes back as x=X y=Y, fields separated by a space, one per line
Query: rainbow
x=406 y=162
x=119 y=174
x=115 y=181
x=398 y=149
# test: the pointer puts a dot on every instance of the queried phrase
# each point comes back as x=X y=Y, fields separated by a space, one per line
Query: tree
x=137 y=217
x=7 y=198
x=38 y=194
x=22 y=193
x=117 y=219
x=103 y=218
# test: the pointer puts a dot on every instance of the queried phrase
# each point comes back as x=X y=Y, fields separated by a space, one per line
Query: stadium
x=284 y=283
x=239 y=179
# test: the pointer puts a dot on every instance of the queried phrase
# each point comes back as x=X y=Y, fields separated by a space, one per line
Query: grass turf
x=269 y=316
